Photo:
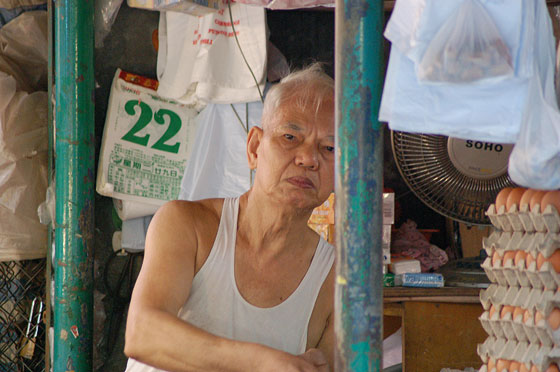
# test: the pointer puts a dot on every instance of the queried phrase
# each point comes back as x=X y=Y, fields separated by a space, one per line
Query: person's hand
x=317 y=358
x=312 y=360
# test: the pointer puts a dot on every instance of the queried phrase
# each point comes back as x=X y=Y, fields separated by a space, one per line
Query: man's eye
x=288 y=137
x=329 y=148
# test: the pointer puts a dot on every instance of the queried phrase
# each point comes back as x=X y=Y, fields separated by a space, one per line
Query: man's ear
x=253 y=142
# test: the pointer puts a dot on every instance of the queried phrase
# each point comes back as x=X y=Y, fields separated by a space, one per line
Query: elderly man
x=243 y=284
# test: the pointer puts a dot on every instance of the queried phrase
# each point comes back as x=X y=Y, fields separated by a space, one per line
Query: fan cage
x=424 y=163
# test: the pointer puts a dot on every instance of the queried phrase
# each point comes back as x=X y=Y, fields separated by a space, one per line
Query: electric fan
x=457 y=178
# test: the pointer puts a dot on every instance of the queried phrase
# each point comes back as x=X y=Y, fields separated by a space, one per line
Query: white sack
x=199 y=60
x=218 y=165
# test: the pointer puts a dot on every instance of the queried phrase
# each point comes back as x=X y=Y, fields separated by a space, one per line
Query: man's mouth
x=303 y=182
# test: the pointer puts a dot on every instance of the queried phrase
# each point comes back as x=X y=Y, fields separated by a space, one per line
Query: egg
x=502 y=365
x=496 y=259
x=518 y=312
x=509 y=255
x=534 y=369
x=514 y=366
x=514 y=197
x=526 y=316
x=491 y=364
x=552 y=368
x=536 y=199
x=523 y=368
x=491 y=311
x=519 y=255
x=501 y=198
x=506 y=309
x=551 y=198
x=529 y=259
x=526 y=198
x=554 y=260
x=554 y=318
x=540 y=260
x=538 y=317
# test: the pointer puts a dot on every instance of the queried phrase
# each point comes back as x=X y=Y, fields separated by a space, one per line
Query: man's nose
x=308 y=157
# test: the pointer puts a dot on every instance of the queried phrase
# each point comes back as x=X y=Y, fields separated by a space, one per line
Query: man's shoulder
x=200 y=210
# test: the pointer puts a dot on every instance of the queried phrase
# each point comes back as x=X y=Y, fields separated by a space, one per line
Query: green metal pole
x=359 y=185
x=74 y=167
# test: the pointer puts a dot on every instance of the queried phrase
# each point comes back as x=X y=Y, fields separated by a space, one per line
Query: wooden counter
x=440 y=326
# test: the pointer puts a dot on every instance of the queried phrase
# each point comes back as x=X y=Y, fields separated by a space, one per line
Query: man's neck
x=274 y=227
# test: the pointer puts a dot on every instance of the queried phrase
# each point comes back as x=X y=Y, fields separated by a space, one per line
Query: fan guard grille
x=424 y=163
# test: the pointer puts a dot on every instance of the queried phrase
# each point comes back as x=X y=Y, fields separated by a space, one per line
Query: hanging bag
x=467 y=48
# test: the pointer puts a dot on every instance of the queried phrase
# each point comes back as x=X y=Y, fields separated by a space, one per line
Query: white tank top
x=215 y=304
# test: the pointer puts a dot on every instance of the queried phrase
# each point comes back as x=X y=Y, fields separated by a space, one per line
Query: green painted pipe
x=74 y=169
x=358 y=185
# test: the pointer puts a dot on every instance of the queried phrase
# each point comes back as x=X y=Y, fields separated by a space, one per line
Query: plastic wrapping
x=105 y=14
x=467 y=48
x=491 y=110
x=535 y=159
x=218 y=166
x=23 y=134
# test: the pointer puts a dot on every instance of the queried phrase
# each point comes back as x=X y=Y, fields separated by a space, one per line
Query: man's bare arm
x=156 y=336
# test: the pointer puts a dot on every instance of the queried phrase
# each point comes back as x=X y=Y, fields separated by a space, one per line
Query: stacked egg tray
x=525 y=292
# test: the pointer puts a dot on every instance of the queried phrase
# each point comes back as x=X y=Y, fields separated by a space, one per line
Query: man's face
x=296 y=155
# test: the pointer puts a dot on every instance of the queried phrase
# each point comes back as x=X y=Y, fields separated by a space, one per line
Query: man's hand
x=312 y=360
x=317 y=358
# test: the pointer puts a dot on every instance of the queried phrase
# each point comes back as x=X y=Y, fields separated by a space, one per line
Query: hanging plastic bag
x=415 y=23
x=200 y=59
x=105 y=15
x=535 y=159
x=218 y=167
x=467 y=48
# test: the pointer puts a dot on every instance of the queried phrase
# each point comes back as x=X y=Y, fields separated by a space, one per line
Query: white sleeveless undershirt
x=215 y=304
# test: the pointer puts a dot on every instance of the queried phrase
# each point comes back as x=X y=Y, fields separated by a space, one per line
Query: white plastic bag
x=414 y=24
x=105 y=15
x=199 y=60
x=218 y=167
x=467 y=48
x=487 y=111
x=23 y=171
x=535 y=159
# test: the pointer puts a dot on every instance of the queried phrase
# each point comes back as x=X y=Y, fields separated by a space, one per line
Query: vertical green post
x=74 y=168
x=359 y=185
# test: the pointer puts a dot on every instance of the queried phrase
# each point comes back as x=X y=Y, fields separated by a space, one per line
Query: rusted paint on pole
x=74 y=169
x=359 y=167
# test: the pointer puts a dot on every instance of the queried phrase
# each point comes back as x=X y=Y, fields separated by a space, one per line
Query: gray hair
x=310 y=87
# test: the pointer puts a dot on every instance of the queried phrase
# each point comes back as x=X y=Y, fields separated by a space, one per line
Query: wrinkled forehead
x=304 y=108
